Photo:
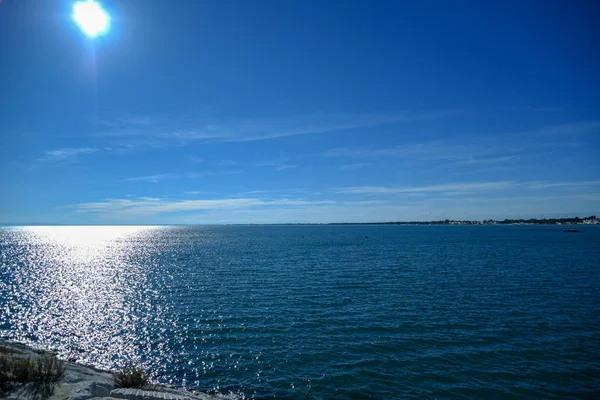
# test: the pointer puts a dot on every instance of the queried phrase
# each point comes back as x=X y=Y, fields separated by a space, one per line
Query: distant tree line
x=548 y=221
x=539 y=221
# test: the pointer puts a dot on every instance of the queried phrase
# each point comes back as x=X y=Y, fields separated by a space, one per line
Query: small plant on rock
x=20 y=369
x=48 y=369
x=13 y=370
x=4 y=374
x=132 y=376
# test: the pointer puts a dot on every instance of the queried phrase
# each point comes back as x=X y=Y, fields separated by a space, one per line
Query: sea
x=316 y=311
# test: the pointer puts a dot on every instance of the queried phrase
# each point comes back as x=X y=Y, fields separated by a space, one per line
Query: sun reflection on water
x=81 y=290
x=85 y=235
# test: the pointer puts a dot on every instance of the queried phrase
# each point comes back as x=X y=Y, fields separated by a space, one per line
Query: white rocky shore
x=83 y=382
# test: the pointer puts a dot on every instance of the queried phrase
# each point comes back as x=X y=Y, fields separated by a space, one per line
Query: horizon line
x=432 y=222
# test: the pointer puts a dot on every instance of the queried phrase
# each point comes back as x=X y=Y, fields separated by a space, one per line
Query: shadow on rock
x=36 y=391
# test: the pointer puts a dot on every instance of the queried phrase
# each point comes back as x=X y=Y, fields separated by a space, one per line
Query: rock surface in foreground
x=83 y=383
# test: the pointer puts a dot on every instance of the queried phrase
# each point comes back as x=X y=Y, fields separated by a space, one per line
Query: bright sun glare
x=91 y=18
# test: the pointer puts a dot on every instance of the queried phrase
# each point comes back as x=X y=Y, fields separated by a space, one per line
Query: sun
x=91 y=18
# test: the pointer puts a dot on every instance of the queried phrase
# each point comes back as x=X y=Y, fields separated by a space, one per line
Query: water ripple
x=430 y=312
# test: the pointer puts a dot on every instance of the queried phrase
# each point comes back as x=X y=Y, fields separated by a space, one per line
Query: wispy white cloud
x=197 y=192
x=273 y=163
x=153 y=206
x=69 y=154
x=226 y=163
x=542 y=109
x=285 y=166
x=548 y=185
x=356 y=165
x=473 y=208
x=573 y=128
x=130 y=120
x=479 y=188
x=196 y=159
x=367 y=202
x=279 y=164
x=203 y=174
x=435 y=150
x=150 y=178
x=482 y=200
x=189 y=175
x=447 y=187
x=490 y=160
x=143 y=206
x=532 y=198
x=253 y=193
x=176 y=131
x=480 y=149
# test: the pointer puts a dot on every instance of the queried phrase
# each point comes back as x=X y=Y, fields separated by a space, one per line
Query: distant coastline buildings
x=591 y=220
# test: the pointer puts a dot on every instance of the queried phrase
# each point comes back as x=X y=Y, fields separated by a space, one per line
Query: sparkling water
x=316 y=312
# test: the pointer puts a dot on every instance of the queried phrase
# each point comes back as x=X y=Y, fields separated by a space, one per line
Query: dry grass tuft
x=132 y=376
x=48 y=368
x=45 y=369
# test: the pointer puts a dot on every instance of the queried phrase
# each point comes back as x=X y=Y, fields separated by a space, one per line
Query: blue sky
x=309 y=111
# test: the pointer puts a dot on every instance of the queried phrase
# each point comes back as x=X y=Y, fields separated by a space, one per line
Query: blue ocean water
x=317 y=312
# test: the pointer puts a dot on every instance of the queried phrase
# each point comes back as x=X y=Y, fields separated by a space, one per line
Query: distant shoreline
x=591 y=220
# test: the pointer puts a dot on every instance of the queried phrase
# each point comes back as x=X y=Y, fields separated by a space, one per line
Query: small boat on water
x=570 y=230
